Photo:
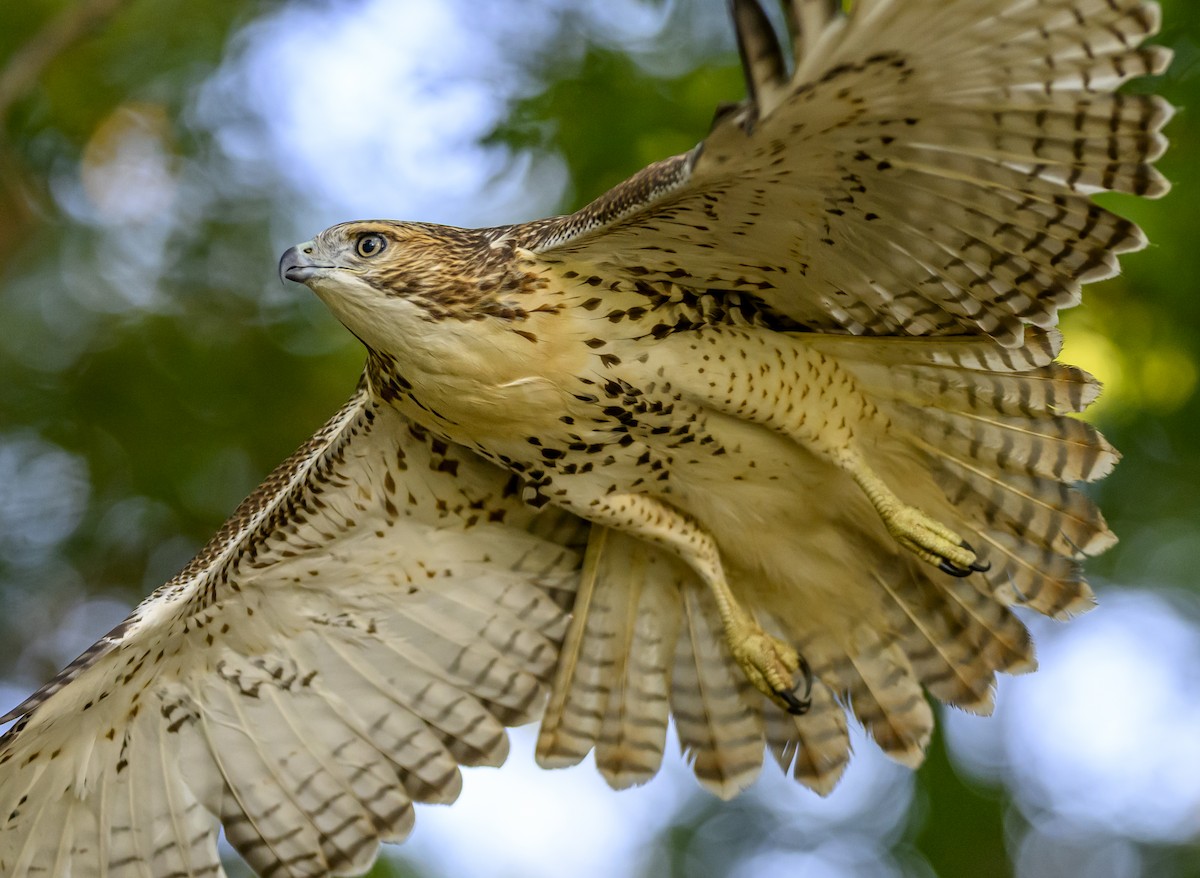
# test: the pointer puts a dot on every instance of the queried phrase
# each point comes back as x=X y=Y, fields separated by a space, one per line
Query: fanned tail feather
x=634 y=728
x=886 y=697
x=815 y=748
x=942 y=646
x=1035 y=576
x=1043 y=511
x=645 y=639
x=993 y=427
x=611 y=691
x=722 y=738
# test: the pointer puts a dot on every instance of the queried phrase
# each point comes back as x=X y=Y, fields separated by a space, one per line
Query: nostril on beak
x=291 y=264
x=297 y=264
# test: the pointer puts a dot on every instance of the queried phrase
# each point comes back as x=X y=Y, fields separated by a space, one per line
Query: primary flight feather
x=772 y=430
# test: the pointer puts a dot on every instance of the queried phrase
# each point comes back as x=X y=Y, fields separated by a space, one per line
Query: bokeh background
x=156 y=156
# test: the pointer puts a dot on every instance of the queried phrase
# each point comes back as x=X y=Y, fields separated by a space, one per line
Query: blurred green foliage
x=180 y=398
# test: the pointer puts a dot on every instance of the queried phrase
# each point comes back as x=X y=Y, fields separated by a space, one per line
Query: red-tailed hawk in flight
x=770 y=431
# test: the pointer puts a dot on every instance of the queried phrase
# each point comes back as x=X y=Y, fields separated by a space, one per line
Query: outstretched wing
x=926 y=168
x=371 y=618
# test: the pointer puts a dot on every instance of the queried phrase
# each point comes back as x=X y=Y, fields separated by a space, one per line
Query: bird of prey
x=770 y=432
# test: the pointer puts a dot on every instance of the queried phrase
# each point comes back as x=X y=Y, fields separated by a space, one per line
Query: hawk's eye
x=370 y=245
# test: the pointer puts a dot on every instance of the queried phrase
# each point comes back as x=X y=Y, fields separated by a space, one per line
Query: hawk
x=770 y=432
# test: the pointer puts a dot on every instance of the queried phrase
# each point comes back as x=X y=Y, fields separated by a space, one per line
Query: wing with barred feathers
x=924 y=169
x=370 y=619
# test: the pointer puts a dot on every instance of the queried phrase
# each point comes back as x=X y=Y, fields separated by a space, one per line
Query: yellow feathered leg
x=768 y=663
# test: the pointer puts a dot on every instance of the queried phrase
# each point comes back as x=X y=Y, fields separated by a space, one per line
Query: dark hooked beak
x=297 y=265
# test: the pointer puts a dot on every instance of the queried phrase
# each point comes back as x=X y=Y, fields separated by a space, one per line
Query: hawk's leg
x=769 y=664
x=922 y=535
x=804 y=393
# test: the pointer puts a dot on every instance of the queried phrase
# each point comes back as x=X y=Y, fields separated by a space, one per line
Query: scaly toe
x=771 y=665
x=954 y=569
x=933 y=542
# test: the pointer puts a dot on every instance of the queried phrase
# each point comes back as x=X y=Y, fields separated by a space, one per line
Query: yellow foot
x=771 y=666
x=932 y=541
x=926 y=538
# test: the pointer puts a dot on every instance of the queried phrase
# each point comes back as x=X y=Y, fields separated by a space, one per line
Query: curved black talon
x=800 y=706
x=806 y=671
x=953 y=569
x=795 y=706
x=975 y=567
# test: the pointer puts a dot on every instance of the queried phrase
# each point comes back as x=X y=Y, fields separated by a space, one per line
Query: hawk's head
x=377 y=272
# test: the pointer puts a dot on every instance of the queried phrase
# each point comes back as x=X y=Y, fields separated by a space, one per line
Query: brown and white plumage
x=925 y=169
x=800 y=380
x=366 y=622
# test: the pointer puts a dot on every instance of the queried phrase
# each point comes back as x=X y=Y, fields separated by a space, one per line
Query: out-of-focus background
x=156 y=156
